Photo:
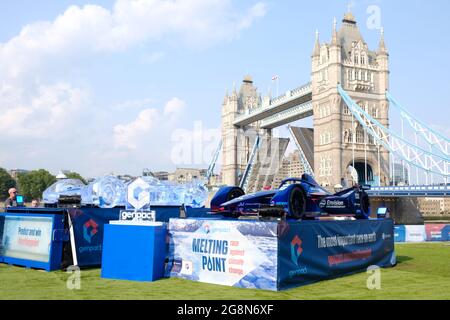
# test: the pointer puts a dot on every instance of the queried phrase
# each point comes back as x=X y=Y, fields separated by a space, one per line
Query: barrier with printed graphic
x=276 y=256
x=32 y=240
x=400 y=233
x=421 y=233
x=311 y=251
x=88 y=225
x=437 y=232
x=415 y=233
x=446 y=233
x=233 y=253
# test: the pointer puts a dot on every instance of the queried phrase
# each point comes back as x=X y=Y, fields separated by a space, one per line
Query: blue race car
x=296 y=198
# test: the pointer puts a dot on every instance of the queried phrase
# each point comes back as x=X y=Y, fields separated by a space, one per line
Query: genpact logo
x=138 y=195
x=90 y=228
x=296 y=249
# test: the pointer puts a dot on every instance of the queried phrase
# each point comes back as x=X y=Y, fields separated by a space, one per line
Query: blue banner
x=446 y=233
x=88 y=225
x=427 y=232
x=227 y=252
x=311 y=251
x=400 y=233
x=436 y=232
x=276 y=256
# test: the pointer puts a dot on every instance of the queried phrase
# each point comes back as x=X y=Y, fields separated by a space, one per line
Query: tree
x=75 y=175
x=6 y=182
x=32 y=184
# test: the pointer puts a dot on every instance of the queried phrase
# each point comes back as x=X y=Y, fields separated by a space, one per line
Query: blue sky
x=101 y=86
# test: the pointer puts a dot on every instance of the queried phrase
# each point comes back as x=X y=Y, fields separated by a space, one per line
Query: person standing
x=35 y=203
x=11 y=201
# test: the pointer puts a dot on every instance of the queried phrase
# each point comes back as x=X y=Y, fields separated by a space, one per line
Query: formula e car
x=296 y=199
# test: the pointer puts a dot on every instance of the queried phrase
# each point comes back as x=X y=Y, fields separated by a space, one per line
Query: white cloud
x=257 y=11
x=174 y=107
x=134 y=134
x=40 y=103
x=49 y=111
x=91 y=29
x=128 y=135
x=194 y=22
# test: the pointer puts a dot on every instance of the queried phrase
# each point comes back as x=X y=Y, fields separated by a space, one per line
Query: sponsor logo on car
x=332 y=204
x=323 y=203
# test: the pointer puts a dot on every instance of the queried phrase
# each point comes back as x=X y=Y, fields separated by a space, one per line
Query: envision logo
x=335 y=203
x=332 y=204
x=90 y=228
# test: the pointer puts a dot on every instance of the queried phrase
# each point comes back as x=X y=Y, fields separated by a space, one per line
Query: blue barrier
x=400 y=233
x=134 y=252
x=314 y=251
x=421 y=233
x=32 y=239
x=437 y=232
x=88 y=226
x=276 y=256
x=446 y=233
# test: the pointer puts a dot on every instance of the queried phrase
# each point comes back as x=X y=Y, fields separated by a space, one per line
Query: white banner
x=415 y=234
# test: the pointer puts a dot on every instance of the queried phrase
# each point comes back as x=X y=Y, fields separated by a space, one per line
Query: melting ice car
x=296 y=198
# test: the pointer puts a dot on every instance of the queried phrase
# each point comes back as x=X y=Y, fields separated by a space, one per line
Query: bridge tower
x=338 y=141
x=238 y=142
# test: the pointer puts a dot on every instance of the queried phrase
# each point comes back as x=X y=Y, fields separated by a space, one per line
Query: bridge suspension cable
x=399 y=147
x=251 y=162
x=212 y=165
x=432 y=137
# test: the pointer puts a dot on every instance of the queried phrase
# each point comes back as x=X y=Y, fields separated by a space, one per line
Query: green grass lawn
x=423 y=272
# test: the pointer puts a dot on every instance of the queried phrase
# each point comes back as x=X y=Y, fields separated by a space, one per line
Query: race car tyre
x=297 y=203
x=365 y=204
x=235 y=193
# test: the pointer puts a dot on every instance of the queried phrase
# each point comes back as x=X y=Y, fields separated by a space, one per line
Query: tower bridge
x=348 y=98
x=288 y=104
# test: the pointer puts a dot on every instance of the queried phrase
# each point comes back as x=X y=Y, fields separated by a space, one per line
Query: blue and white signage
x=415 y=234
x=276 y=256
x=27 y=238
x=233 y=253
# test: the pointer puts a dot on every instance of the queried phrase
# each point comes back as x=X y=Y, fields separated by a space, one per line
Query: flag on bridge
x=275 y=78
